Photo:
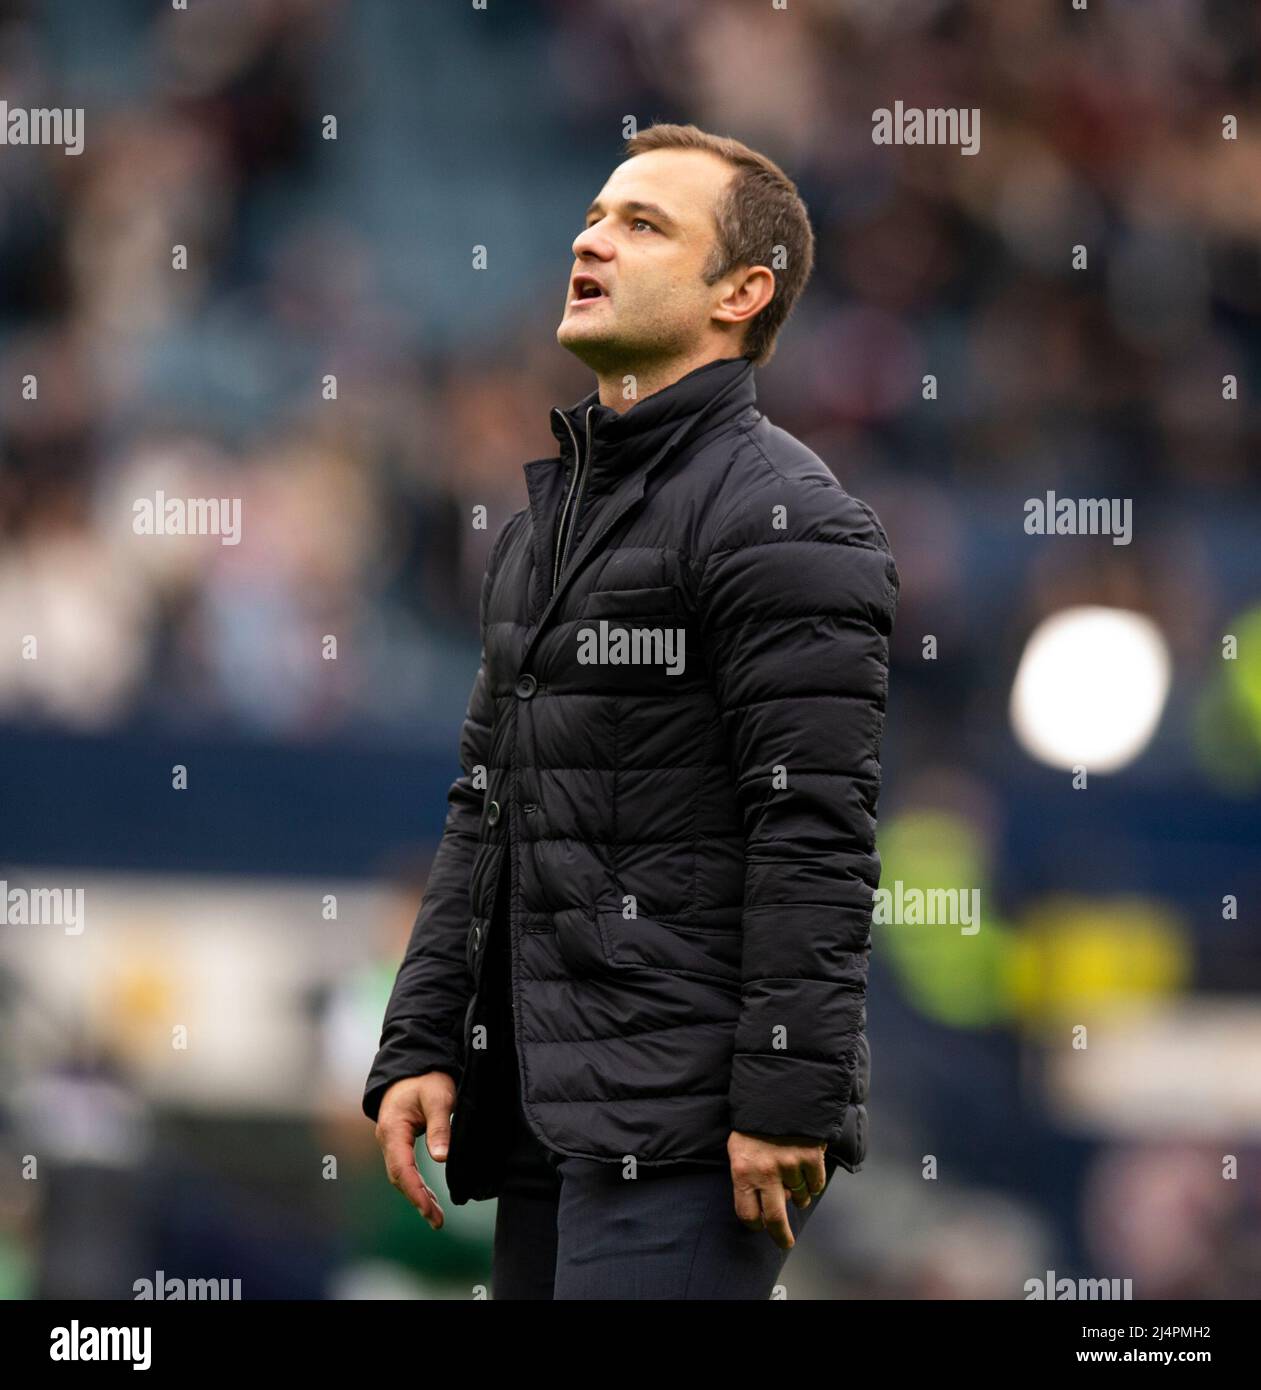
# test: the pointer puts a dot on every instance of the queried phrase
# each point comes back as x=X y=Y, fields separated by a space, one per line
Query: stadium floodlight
x=1090 y=688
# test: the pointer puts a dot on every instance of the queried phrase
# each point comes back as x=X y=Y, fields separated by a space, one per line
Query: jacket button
x=492 y=813
x=527 y=685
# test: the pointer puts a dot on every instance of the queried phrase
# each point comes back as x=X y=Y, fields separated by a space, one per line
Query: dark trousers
x=573 y=1228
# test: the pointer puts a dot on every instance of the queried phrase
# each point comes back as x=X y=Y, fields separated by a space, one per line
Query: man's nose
x=591 y=241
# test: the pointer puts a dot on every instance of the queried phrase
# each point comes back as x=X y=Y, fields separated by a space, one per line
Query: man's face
x=648 y=236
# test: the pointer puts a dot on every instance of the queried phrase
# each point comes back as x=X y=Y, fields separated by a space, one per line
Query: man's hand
x=763 y=1169
x=416 y=1104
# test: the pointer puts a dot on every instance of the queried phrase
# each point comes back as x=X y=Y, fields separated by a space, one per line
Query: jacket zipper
x=577 y=482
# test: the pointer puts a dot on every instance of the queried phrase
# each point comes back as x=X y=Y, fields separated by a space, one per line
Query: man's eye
x=642 y=222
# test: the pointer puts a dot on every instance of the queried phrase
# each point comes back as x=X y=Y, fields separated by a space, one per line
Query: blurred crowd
x=306 y=257
x=257 y=281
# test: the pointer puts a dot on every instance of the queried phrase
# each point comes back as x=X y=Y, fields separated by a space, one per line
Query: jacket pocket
x=596 y=942
x=579 y=943
x=631 y=603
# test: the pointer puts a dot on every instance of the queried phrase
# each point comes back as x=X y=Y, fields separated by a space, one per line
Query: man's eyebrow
x=652 y=209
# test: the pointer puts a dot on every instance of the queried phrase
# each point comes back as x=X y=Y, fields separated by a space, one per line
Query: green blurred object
x=17 y=1271
x=956 y=979
x=1227 y=718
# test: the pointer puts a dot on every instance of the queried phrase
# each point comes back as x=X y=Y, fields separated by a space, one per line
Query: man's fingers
x=770 y=1177
x=805 y=1179
x=816 y=1173
x=438 y=1137
x=795 y=1184
x=398 y=1149
x=775 y=1214
x=748 y=1207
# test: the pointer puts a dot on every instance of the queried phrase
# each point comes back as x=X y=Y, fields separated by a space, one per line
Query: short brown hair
x=760 y=211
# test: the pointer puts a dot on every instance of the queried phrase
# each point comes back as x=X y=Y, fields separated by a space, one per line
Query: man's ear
x=746 y=292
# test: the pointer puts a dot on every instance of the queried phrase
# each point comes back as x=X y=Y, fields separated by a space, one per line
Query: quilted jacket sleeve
x=796 y=602
x=424 y=1019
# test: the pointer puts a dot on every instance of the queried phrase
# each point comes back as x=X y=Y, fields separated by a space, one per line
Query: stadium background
x=206 y=908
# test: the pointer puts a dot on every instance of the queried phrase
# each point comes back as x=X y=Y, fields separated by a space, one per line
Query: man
x=639 y=971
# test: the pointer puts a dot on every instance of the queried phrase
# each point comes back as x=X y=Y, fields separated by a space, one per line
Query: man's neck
x=649 y=379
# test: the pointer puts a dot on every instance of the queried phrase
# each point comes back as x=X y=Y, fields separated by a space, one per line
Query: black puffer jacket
x=692 y=835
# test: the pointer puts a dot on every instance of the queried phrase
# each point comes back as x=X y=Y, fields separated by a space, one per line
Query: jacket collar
x=625 y=450
x=707 y=397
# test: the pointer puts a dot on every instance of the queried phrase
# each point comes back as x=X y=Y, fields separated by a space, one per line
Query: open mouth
x=586 y=288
